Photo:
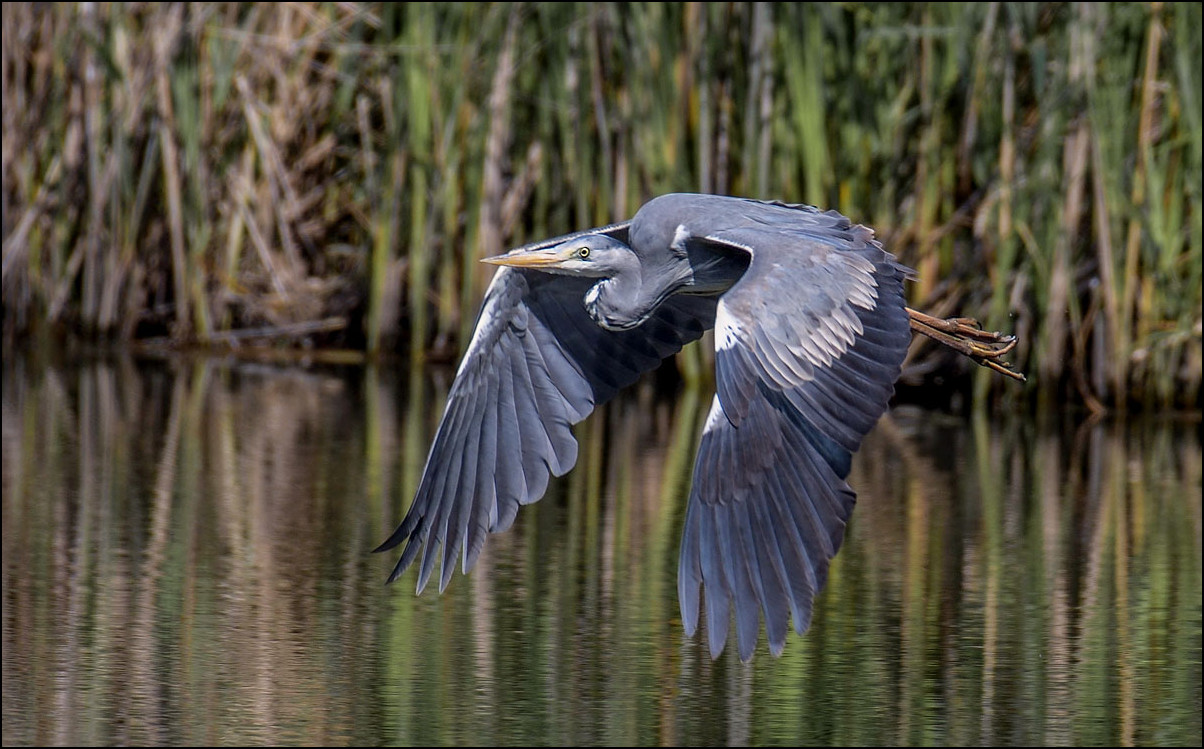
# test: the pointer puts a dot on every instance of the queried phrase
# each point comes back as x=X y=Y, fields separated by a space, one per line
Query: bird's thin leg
x=965 y=336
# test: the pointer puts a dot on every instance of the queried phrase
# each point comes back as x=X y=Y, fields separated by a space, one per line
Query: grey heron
x=810 y=333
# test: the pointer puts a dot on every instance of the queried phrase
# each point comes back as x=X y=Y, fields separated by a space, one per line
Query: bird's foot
x=966 y=336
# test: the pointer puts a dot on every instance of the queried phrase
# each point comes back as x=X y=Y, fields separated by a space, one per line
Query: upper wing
x=537 y=363
x=808 y=345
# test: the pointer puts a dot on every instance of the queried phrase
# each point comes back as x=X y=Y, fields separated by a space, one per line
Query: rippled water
x=185 y=561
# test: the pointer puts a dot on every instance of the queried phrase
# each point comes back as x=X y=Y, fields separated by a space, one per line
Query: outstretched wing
x=809 y=343
x=537 y=364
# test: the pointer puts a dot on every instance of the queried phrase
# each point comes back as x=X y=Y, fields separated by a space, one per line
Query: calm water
x=186 y=561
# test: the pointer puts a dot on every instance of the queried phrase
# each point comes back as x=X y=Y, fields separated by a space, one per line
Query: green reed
x=176 y=173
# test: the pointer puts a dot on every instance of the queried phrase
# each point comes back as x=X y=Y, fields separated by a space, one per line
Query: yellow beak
x=528 y=258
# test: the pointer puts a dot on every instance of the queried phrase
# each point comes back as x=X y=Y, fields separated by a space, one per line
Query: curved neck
x=628 y=297
x=616 y=302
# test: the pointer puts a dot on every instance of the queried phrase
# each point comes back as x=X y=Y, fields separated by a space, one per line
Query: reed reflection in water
x=185 y=562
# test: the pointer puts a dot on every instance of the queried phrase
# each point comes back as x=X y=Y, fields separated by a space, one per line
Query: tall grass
x=179 y=172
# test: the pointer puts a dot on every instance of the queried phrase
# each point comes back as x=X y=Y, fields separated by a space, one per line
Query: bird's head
x=585 y=256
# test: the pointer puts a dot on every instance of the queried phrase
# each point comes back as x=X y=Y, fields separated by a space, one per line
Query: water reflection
x=185 y=562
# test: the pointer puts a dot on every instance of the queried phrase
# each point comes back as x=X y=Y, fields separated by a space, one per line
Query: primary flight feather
x=810 y=333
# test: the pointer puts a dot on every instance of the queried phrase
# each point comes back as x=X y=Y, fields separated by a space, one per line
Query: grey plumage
x=810 y=330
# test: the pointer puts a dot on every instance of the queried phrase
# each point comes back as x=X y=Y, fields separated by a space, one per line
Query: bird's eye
x=583 y=253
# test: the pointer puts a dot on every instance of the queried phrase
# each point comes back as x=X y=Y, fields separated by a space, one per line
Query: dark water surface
x=185 y=561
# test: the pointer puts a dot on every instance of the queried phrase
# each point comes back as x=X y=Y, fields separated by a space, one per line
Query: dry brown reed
x=189 y=171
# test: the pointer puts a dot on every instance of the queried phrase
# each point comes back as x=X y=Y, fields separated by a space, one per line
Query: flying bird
x=811 y=330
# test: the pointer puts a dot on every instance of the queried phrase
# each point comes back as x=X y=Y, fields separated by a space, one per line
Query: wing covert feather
x=536 y=365
x=809 y=343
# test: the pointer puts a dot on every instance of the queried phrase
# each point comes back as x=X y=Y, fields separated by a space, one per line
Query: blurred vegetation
x=330 y=173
